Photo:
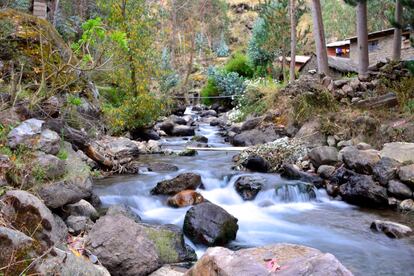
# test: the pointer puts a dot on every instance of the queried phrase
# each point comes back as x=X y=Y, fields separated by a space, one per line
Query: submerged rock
x=391 y=229
x=294 y=260
x=249 y=186
x=209 y=224
x=185 y=181
x=162 y=167
x=185 y=198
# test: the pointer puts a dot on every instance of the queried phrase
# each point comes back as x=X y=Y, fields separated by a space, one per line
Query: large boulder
x=122 y=246
x=406 y=175
x=116 y=147
x=385 y=170
x=185 y=198
x=51 y=166
x=400 y=151
x=124 y=210
x=256 y=163
x=294 y=260
x=391 y=229
x=255 y=137
x=326 y=171
x=31 y=134
x=249 y=186
x=209 y=224
x=29 y=215
x=362 y=190
x=81 y=208
x=360 y=161
x=399 y=190
x=251 y=123
x=323 y=156
x=181 y=130
x=167 y=126
x=169 y=243
x=185 y=181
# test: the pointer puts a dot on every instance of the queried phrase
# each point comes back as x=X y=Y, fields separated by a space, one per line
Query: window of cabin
x=373 y=45
x=405 y=41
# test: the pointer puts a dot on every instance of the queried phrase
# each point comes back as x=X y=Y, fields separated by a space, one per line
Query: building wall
x=383 y=51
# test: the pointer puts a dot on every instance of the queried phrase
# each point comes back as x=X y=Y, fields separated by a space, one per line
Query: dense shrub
x=228 y=83
x=310 y=104
x=135 y=112
x=240 y=65
x=257 y=55
x=405 y=94
x=209 y=90
x=222 y=49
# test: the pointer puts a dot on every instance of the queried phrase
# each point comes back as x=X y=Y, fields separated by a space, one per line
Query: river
x=289 y=216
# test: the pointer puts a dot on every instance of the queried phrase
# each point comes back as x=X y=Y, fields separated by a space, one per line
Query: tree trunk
x=319 y=35
x=397 y=31
x=362 y=30
x=173 y=33
x=292 y=40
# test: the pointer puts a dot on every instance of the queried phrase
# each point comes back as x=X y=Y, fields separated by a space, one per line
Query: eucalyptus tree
x=319 y=35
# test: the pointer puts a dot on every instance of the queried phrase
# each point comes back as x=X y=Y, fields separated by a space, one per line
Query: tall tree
x=292 y=40
x=397 y=31
x=362 y=34
x=319 y=35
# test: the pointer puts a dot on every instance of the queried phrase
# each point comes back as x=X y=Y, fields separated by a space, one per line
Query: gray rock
x=79 y=224
x=406 y=175
x=30 y=134
x=123 y=247
x=310 y=133
x=399 y=190
x=362 y=190
x=363 y=146
x=254 y=137
x=249 y=186
x=29 y=215
x=251 y=123
x=323 y=156
x=52 y=166
x=123 y=210
x=167 y=126
x=325 y=171
x=290 y=171
x=185 y=181
x=178 y=120
x=407 y=205
x=168 y=270
x=391 y=229
x=343 y=144
x=294 y=259
x=162 y=167
x=200 y=139
x=14 y=245
x=209 y=224
x=331 y=141
x=256 y=164
x=169 y=243
x=209 y=113
x=180 y=130
x=216 y=122
x=82 y=208
x=360 y=161
x=116 y=147
x=402 y=152
x=385 y=170
x=65 y=263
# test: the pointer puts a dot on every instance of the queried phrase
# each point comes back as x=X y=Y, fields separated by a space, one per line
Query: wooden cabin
x=339 y=49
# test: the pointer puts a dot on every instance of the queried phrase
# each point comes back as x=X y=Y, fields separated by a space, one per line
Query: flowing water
x=292 y=214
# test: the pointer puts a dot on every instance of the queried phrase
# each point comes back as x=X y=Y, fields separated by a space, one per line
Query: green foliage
x=20 y=5
x=209 y=90
x=310 y=104
x=62 y=154
x=410 y=66
x=405 y=93
x=257 y=55
x=135 y=112
x=39 y=174
x=222 y=49
x=74 y=100
x=409 y=107
x=227 y=83
x=240 y=65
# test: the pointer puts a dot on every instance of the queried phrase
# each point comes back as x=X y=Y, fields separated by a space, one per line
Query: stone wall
x=384 y=51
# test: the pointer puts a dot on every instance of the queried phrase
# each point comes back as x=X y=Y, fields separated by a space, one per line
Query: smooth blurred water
x=288 y=215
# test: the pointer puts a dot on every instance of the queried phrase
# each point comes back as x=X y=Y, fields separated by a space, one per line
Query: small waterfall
x=295 y=192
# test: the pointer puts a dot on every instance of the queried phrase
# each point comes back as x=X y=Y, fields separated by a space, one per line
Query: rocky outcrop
x=185 y=181
x=31 y=134
x=123 y=247
x=278 y=259
x=249 y=186
x=209 y=224
x=185 y=198
x=391 y=229
x=29 y=215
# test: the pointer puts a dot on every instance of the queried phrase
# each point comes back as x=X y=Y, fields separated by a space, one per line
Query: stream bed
x=290 y=216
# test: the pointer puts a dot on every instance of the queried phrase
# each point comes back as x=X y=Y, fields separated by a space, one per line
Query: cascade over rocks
x=209 y=224
x=185 y=181
x=294 y=259
x=249 y=186
x=292 y=172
